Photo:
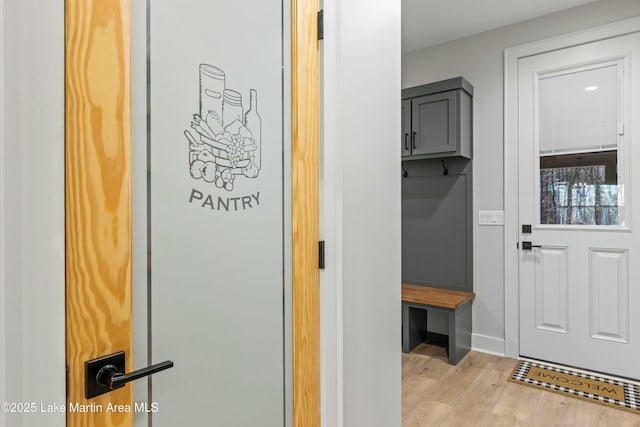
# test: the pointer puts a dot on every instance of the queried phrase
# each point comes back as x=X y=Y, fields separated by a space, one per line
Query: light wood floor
x=476 y=393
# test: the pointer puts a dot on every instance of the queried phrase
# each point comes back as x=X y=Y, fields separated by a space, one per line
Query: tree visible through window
x=577 y=195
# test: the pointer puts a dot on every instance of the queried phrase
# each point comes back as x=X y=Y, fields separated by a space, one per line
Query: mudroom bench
x=417 y=300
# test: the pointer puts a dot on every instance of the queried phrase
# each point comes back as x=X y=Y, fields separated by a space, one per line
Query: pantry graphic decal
x=224 y=141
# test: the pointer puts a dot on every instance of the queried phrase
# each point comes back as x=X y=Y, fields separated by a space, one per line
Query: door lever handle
x=527 y=246
x=107 y=373
x=109 y=376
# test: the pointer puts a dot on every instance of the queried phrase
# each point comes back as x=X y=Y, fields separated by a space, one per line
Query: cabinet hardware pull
x=413 y=143
x=406 y=143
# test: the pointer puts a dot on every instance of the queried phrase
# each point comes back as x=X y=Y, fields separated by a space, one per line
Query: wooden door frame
x=511 y=192
x=98 y=197
x=305 y=215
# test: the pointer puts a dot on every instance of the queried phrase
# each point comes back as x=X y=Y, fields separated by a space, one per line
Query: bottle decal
x=253 y=122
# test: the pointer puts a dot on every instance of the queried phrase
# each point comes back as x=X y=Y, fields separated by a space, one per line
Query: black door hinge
x=321 y=254
x=321 y=25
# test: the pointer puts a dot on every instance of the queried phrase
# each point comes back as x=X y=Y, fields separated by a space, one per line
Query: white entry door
x=579 y=189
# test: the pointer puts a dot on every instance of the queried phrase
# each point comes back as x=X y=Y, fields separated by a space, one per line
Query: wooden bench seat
x=417 y=300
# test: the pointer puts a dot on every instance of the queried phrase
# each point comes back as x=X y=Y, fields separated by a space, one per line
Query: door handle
x=406 y=143
x=527 y=246
x=413 y=140
x=107 y=373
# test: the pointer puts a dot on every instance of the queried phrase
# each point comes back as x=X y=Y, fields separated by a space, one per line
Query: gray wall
x=479 y=59
x=368 y=96
x=32 y=362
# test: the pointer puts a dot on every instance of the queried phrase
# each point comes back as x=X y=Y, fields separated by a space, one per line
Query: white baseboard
x=487 y=344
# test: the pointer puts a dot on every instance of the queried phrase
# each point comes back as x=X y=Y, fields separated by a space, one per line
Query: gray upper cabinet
x=434 y=122
x=437 y=120
x=405 y=136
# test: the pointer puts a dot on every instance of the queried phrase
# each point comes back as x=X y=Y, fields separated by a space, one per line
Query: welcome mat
x=615 y=393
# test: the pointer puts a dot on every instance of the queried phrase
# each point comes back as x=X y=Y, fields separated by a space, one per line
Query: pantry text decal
x=224 y=142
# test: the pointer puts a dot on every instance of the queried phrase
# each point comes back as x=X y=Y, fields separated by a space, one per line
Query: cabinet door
x=405 y=135
x=434 y=124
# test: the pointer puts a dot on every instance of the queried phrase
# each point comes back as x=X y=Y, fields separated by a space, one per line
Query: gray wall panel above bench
x=437 y=224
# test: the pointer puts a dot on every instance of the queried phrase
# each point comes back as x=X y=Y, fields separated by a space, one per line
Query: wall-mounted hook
x=404 y=171
x=445 y=171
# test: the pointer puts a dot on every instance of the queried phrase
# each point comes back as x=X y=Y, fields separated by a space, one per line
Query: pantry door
x=579 y=151
x=191 y=213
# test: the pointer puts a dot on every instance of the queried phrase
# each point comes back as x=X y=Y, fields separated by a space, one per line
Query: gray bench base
x=414 y=328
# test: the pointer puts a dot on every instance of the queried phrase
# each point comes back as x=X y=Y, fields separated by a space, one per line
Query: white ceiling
x=431 y=22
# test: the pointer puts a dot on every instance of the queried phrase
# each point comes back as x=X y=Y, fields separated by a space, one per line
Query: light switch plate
x=491 y=218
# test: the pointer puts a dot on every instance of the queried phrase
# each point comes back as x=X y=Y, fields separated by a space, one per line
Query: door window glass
x=579 y=189
x=579 y=131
